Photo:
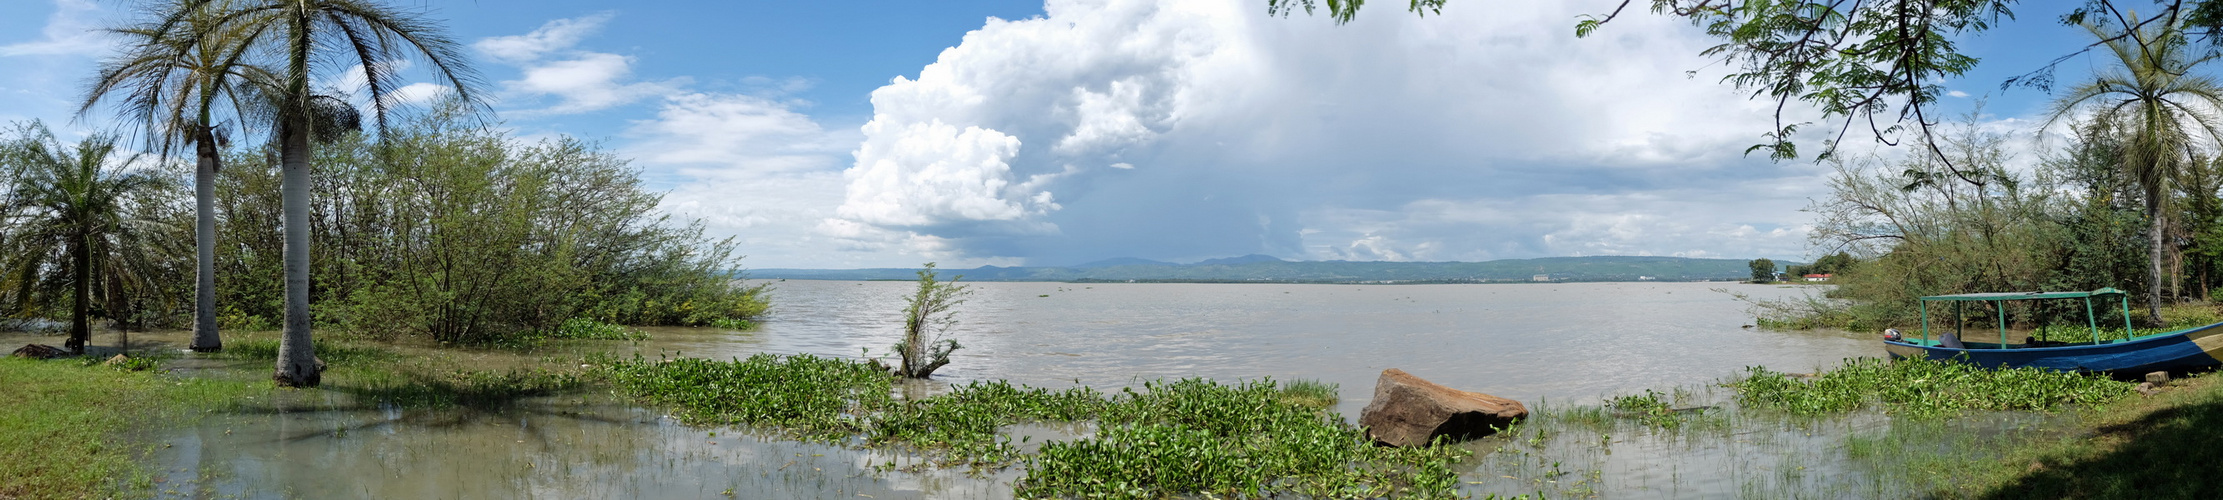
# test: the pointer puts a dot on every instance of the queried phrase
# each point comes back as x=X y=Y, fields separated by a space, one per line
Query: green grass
x=1184 y=437
x=67 y=428
x=334 y=352
x=1311 y=394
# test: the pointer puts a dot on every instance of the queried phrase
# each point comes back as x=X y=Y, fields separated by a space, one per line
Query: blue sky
x=865 y=134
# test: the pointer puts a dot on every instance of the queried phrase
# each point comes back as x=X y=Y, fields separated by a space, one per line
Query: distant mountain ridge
x=1268 y=269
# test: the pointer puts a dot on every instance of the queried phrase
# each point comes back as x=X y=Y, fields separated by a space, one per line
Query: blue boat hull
x=2183 y=349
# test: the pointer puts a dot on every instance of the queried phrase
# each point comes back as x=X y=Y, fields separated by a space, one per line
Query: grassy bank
x=70 y=428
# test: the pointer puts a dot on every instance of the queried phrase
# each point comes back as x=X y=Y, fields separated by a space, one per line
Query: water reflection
x=539 y=449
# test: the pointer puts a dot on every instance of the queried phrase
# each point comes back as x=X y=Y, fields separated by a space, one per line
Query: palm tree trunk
x=2153 y=283
x=80 y=309
x=297 y=363
x=204 y=242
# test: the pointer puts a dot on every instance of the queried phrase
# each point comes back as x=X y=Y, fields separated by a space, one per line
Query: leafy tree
x=460 y=233
x=1831 y=264
x=926 y=324
x=308 y=36
x=2166 y=110
x=175 y=86
x=85 y=218
x=1763 y=270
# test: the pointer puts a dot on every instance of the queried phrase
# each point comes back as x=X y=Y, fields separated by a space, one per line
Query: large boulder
x=1410 y=411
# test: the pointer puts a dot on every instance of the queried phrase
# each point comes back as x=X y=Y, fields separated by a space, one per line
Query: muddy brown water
x=1554 y=344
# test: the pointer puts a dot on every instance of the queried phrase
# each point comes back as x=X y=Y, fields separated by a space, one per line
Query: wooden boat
x=2194 y=347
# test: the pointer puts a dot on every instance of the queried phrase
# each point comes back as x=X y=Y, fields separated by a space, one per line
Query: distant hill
x=1263 y=268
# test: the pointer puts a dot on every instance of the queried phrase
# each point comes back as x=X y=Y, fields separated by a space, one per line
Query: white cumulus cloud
x=71 y=31
x=1204 y=128
x=577 y=81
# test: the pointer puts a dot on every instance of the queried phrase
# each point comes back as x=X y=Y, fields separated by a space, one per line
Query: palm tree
x=307 y=35
x=174 y=84
x=82 y=216
x=2153 y=94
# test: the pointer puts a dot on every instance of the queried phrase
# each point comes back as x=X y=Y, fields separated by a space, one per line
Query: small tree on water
x=926 y=344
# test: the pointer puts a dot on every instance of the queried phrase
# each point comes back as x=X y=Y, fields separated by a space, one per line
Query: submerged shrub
x=1310 y=393
x=582 y=328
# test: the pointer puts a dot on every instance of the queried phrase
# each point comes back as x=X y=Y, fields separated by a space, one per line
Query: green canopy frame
x=1998 y=302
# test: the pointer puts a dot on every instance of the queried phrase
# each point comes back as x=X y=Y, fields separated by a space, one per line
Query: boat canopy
x=2004 y=296
x=1998 y=300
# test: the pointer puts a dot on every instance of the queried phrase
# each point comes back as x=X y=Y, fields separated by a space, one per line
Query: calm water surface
x=1565 y=343
x=1570 y=342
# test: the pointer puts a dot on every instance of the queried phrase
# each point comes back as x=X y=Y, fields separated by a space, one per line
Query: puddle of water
x=543 y=448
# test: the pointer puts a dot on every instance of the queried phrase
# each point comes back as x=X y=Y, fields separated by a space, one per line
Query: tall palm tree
x=174 y=84
x=83 y=216
x=306 y=36
x=2165 y=108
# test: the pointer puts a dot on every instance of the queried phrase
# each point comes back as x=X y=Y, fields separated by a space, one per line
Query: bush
x=927 y=321
x=466 y=235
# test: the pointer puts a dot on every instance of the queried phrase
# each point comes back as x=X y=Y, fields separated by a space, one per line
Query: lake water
x=1566 y=343
x=1572 y=342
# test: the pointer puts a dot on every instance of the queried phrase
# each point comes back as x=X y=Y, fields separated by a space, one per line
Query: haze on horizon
x=1045 y=134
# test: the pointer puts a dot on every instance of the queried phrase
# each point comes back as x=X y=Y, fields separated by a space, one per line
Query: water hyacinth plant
x=1924 y=388
x=1190 y=436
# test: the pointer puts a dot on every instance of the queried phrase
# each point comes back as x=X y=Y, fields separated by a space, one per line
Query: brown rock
x=2148 y=388
x=119 y=359
x=40 y=351
x=2158 y=378
x=1409 y=411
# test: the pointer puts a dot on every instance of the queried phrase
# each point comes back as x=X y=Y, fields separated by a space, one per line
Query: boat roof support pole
x=1925 y=319
x=2091 y=318
x=2128 y=332
x=2001 y=308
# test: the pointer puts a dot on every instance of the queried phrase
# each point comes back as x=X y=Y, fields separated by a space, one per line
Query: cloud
x=555 y=35
x=752 y=167
x=70 y=31
x=1197 y=129
x=577 y=81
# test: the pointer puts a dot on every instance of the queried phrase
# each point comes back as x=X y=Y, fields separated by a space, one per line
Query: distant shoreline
x=1267 y=269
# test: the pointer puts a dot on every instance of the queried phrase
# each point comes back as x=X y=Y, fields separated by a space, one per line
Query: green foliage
x=1763 y=270
x=807 y=396
x=1829 y=264
x=733 y=324
x=927 y=319
x=2153 y=94
x=1189 y=436
x=1924 y=388
x=1653 y=408
x=1929 y=231
x=582 y=328
x=463 y=235
x=1310 y=394
x=86 y=227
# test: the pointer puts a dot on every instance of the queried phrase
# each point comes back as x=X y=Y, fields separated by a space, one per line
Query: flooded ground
x=1552 y=345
